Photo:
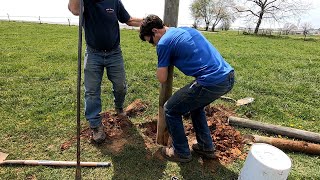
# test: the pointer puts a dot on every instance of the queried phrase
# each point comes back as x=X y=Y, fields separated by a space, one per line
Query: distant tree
x=273 y=10
x=306 y=27
x=226 y=22
x=225 y=25
x=288 y=27
x=196 y=23
x=202 y=9
x=222 y=12
x=211 y=11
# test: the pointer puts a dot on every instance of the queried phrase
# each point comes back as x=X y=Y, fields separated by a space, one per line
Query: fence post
x=69 y=21
x=170 y=19
x=8 y=17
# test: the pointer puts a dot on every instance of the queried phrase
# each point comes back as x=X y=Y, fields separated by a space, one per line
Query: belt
x=100 y=50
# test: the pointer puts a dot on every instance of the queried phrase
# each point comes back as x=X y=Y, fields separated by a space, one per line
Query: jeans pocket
x=206 y=96
x=193 y=88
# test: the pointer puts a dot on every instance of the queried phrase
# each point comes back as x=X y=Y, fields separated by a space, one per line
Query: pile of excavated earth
x=228 y=141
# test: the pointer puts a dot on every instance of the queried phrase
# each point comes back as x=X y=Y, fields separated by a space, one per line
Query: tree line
x=223 y=13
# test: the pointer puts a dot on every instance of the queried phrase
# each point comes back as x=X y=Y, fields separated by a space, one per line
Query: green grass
x=38 y=73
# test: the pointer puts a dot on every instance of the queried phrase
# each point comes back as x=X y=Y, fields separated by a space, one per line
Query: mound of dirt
x=227 y=140
x=136 y=108
x=114 y=126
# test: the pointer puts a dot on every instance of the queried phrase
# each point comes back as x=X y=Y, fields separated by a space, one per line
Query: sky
x=57 y=11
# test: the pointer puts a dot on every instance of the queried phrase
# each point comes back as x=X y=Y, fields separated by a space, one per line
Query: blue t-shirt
x=189 y=51
x=101 y=23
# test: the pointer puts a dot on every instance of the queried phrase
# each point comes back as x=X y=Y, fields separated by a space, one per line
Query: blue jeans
x=193 y=98
x=94 y=63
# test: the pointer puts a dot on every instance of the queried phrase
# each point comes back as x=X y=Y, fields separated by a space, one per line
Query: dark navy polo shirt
x=101 y=23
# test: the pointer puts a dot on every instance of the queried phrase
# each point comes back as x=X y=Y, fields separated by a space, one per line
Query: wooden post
x=280 y=130
x=8 y=17
x=171 y=11
x=285 y=144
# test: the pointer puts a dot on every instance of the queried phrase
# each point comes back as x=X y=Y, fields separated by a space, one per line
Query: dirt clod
x=136 y=108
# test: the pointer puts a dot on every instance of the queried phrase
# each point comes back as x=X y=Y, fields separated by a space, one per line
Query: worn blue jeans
x=94 y=63
x=193 y=98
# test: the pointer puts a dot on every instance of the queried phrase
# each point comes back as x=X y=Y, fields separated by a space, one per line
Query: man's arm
x=74 y=7
x=162 y=74
x=134 y=21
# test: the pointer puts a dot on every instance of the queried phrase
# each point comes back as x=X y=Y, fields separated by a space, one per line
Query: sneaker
x=120 y=112
x=98 y=134
x=169 y=154
x=207 y=153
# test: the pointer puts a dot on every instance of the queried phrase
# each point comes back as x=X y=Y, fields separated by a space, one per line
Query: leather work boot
x=169 y=154
x=98 y=134
x=120 y=113
x=206 y=153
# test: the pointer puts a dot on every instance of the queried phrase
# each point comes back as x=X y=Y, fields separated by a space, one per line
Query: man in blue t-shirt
x=189 y=51
x=103 y=50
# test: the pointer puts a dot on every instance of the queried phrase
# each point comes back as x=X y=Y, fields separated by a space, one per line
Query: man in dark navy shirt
x=102 y=34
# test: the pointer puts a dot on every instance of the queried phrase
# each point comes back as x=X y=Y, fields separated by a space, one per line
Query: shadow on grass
x=202 y=169
x=268 y=36
x=307 y=39
x=131 y=158
x=311 y=39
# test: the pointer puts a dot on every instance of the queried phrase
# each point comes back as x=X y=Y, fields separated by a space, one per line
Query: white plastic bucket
x=265 y=162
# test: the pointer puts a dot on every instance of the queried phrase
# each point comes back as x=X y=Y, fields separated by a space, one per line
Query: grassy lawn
x=38 y=73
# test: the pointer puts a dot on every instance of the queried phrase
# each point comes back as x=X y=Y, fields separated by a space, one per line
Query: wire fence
x=75 y=21
x=42 y=19
x=57 y=20
x=70 y=21
x=280 y=31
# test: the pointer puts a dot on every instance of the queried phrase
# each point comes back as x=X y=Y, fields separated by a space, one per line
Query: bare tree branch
x=248 y=10
x=275 y=10
x=211 y=11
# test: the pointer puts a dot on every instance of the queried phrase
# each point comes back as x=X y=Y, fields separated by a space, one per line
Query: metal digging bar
x=78 y=170
x=79 y=164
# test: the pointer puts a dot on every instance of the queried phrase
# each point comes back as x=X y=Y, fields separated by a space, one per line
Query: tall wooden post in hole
x=171 y=11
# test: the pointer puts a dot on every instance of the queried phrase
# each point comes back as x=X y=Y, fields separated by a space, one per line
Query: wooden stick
x=286 y=131
x=56 y=163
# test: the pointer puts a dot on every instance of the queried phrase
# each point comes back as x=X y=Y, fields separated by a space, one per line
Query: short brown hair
x=150 y=22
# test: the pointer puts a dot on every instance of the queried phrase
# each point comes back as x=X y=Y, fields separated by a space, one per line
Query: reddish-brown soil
x=228 y=141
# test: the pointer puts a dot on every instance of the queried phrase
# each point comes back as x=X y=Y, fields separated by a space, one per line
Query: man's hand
x=136 y=22
x=74 y=7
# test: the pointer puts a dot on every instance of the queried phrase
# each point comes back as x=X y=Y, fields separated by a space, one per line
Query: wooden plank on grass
x=286 y=131
x=286 y=144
